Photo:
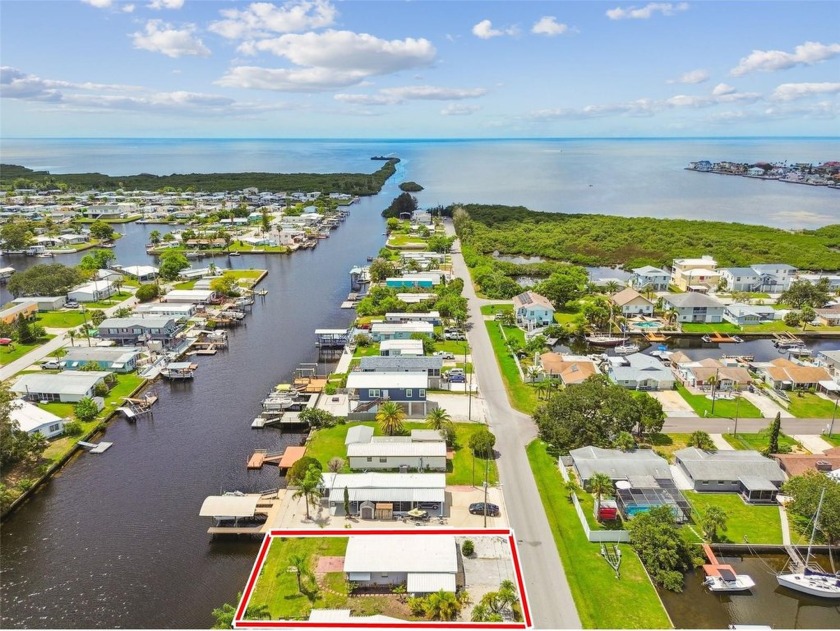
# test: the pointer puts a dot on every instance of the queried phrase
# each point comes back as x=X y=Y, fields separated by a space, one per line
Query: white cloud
x=127 y=8
x=157 y=5
x=806 y=54
x=548 y=25
x=99 y=4
x=288 y=80
x=692 y=77
x=264 y=19
x=722 y=88
x=485 y=30
x=647 y=11
x=160 y=37
x=459 y=109
x=393 y=96
x=793 y=91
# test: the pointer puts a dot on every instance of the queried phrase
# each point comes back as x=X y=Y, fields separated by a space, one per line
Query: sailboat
x=605 y=339
x=812 y=580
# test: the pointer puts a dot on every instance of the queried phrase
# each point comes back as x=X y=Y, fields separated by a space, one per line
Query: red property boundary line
x=239 y=621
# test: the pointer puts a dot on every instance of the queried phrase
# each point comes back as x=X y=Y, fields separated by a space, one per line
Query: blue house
x=400 y=283
x=368 y=390
x=532 y=309
x=112 y=358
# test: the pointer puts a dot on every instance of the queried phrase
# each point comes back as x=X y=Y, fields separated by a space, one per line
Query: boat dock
x=722 y=338
x=284 y=460
x=179 y=371
x=332 y=338
x=287 y=419
x=713 y=568
x=95 y=448
x=786 y=340
x=240 y=514
x=656 y=337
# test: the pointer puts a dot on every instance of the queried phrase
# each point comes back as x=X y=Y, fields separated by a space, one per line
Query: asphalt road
x=547 y=589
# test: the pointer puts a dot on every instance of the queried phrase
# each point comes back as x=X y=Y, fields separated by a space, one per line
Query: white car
x=51 y=364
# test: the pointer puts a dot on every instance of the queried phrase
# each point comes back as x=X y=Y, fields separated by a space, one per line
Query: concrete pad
x=813 y=443
x=336 y=404
x=768 y=407
x=490 y=564
x=680 y=478
x=459 y=406
x=673 y=404
x=720 y=442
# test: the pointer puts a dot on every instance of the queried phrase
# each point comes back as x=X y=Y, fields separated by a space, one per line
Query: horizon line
x=419 y=139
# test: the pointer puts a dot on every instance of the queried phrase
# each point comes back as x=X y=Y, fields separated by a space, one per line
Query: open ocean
x=630 y=177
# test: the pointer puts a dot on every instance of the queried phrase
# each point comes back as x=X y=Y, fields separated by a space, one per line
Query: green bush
x=147 y=292
x=73 y=428
x=468 y=548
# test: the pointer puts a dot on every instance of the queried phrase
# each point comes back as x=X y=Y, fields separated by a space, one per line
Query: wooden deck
x=290 y=456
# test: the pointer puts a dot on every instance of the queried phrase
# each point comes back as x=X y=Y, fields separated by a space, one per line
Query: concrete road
x=790 y=426
x=548 y=592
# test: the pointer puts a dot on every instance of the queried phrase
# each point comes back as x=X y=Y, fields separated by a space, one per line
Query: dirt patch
x=329 y=564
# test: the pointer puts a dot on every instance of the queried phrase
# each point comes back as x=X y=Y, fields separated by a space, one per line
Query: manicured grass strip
x=110 y=302
x=602 y=601
x=328 y=443
x=807 y=405
x=759 y=441
x=723 y=408
x=776 y=326
x=666 y=444
x=759 y=524
x=522 y=396
x=15 y=351
x=502 y=307
x=834 y=439
x=60 y=319
x=276 y=588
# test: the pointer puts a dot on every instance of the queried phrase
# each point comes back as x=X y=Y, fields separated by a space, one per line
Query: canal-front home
x=109 y=358
x=368 y=390
x=640 y=372
x=397 y=453
x=784 y=374
x=756 y=478
x=532 y=309
x=430 y=316
x=179 y=311
x=44 y=303
x=190 y=296
x=743 y=314
x=703 y=373
x=93 y=291
x=631 y=303
x=138 y=330
x=570 y=369
x=430 y=365
x=424 y=564
x=395 y=348
x=70 y=386
x=375 y=495
x=31 y=419
x=381 y=331
x=648 y=276
x=695 y=307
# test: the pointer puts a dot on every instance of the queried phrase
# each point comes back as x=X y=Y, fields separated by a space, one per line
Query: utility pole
x=833 y=416
x=486 y=467
x=714 y=389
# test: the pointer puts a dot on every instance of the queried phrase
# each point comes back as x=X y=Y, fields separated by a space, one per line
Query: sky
x=418 y=69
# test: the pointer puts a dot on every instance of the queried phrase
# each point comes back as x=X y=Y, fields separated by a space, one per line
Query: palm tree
x=713 y=521
x=701 y=440
x=154 y=237
x=671 y=316
x=442 y=605
x=439 y=419
x=543 y=388
x=612 y=286
x=59 y=352
x=299 y=562
x=72 y=335
x=390 y=418
x=600 y=484
x=647 y=290
x=308 y=488
x=482 y=613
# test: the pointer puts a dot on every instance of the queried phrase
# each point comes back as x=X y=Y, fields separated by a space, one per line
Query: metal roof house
x=30 y=419
x=392 y=348
x=429 y=364
x=756 y=478
x=194 y=296
x=370 y=389
x=695 y=307
x=134 y=330
x=641 y=372
x=110 y=358
x=532 y=308
x=92 y=291
x=69 y=386
x=375 y=495
x=423 y=563
x=398 y=316
x=381 y=331
x=397 y=452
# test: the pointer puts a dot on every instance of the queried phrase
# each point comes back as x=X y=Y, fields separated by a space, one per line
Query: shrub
x=147 y=292
x=86 y=409
x=468 y=548
x=73 y=428
x=482 y=443
x=298 y=470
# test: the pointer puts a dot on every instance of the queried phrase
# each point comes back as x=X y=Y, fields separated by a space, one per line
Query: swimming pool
x=647 y=325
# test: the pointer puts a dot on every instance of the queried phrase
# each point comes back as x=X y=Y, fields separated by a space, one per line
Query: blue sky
x=421 y=69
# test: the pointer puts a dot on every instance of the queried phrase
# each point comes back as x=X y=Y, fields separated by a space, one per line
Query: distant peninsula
x=826 y=174
x=411 y=187
x=13 y=176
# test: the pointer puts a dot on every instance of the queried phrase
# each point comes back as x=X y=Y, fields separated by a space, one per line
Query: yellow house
x=699 y=274
x=25 y=309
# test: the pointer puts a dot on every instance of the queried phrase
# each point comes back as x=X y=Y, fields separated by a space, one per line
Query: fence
x=595 y=536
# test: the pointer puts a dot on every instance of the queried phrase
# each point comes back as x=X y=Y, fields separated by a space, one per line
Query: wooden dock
x=722 y=338
x=713 y=568
x=261 y=458
x=656 y=337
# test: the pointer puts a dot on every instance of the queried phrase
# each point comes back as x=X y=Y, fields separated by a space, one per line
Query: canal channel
x=115 y=540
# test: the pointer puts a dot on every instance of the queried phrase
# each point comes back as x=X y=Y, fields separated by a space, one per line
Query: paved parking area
x=459 y=406
x=486 y=569
x=673 y=404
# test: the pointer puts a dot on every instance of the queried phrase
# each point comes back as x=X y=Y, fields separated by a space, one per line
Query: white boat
x=626 y=349
x=604 y=340
x=729 y=581
x=812 y=580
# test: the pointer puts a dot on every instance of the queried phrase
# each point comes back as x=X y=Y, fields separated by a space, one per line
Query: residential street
x=548 y=592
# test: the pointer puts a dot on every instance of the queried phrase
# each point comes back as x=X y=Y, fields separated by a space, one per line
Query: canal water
x=115 y=540
x=766 y=604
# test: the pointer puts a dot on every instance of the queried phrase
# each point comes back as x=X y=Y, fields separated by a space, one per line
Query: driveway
x=484 y=571
x=673 y=404
x=459 y=406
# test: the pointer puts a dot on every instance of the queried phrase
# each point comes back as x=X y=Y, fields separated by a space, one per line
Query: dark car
x=478 y=509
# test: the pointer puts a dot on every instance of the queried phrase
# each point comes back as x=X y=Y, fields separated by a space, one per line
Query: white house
x=193 y=296
x=400 y=491
x=141 y=272
x=695 y=273
x=740 y=278
x=649 y=276
x=741 y=314
x=640 y=372
x=695 y=307
x=30 y=418
x=423 y=563
x=93 y=291
x=392 y=348
x=397 y=452
x=70 y=386
x=632 y=303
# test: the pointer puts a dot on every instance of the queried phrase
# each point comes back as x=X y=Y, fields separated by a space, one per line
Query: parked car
x=478 y=509
x=51 y=364
x=71 y=304
x=455 y=335
x=456 y=378
x=455 y=371
x=500 y=315
x=444 y=354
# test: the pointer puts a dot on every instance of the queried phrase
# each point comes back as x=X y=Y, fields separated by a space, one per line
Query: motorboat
x=626 y=349
x=811 y=579
x=728 y=581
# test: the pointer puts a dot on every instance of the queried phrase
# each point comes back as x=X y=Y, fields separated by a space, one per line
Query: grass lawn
x=236 y=246
x=186 y=284
x=602 y=601
x=276 y=588
x=724 y=408
x=759 y=441
x=15 y=351
x=502 y=307
x=759 y=524
x=106 y=304
x=777 y=326
x=60 y=319
x=666 y=444
x=834 y=439
x=522 y=396
x=453 y=346
x=721 y=327
x=329 y=443
x=366 y=351
x=405 y=241
x=807 y=405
